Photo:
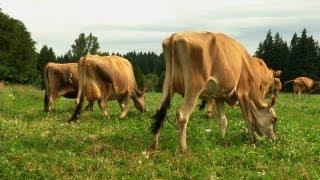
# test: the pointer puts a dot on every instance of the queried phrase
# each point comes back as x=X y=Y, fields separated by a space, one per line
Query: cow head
x=264 y=120
x=138 y=100
x=316 y=85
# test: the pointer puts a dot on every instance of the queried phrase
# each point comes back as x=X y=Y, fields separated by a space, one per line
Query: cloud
x=123 y=26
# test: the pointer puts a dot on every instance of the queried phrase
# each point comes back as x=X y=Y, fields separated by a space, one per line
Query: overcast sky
x=141 y=25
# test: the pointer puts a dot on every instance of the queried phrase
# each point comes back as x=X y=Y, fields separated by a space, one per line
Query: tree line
x=21 y=63
x=300 y=58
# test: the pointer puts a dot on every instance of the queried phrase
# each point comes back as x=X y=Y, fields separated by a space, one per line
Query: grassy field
x=37 y=145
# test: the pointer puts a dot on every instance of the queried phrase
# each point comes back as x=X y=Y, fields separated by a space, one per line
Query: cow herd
x=205 y=65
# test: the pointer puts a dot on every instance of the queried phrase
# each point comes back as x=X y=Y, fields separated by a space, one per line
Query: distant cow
x=60 y=80
x=105 y=78
x=213 y=66
x=304 y=84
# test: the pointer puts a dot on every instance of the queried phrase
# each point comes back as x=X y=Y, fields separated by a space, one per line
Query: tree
x=46 y=55
x=84 y=44
x=139 y=76
x=280 y=53
x=151 y=82
x=17 y=51
x=265 y=51
x=274 y=51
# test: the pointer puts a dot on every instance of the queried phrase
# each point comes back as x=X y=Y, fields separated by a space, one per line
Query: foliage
x=17 y=52
x=36 y=145
x=82 y=45
x=147 y=65
x=46 y=55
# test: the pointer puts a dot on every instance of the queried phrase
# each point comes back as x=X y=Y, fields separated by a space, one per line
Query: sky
x=141 y=25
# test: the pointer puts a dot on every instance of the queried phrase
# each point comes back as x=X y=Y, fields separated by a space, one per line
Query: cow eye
x=275 y=119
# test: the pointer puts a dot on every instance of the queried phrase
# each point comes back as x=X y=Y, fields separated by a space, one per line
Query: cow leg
x=103 y=106
x=183 y=114
x=105 y=92
x=46 y=102
x=52 y=98
x=89 y=107
x=124 y=105
x=222 y=118
x=211 y=108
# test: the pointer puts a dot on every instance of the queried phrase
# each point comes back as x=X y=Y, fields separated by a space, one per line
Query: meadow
x=37 y=145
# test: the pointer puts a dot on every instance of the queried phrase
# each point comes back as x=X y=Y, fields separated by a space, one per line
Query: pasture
x=37 y=145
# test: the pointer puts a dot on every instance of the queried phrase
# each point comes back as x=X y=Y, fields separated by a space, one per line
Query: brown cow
x=213 y=66
x=106 y=78
x=304 y=84
x=61 y=80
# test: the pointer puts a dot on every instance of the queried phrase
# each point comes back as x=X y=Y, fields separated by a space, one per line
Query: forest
x=21 y=63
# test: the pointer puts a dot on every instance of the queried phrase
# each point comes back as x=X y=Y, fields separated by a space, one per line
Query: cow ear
x=277 y=73
x=144 y=90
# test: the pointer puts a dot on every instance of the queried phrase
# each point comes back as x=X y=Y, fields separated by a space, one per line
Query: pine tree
x=280 y=51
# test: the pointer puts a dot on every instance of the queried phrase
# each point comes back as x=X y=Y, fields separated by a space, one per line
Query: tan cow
x=105 y=78
x=60 y=80
x=265 y=78
x=213 y=66
x=303 y=84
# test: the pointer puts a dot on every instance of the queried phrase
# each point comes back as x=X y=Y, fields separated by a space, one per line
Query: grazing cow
x=303 y=84
x=265 y=78
x=61 y=80
x=106 y=78
x=213 y=66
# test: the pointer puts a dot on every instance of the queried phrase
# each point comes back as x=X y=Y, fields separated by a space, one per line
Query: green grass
x=37 y=145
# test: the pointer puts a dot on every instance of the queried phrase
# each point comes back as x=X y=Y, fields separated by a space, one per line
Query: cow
x=61 y=80
x=105 y=78
x=213 y=66
x=265 y=78
x=303 y=84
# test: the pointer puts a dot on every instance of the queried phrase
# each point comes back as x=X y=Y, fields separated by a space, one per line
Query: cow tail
x=288 y=81
x=167 y=91
x=47 y=88
x=81 y=90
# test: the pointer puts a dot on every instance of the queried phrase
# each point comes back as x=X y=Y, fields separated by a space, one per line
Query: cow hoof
x=254 y=141
x=225 y=143
x=72 y=120
x=183 y=150
x=153 y=147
